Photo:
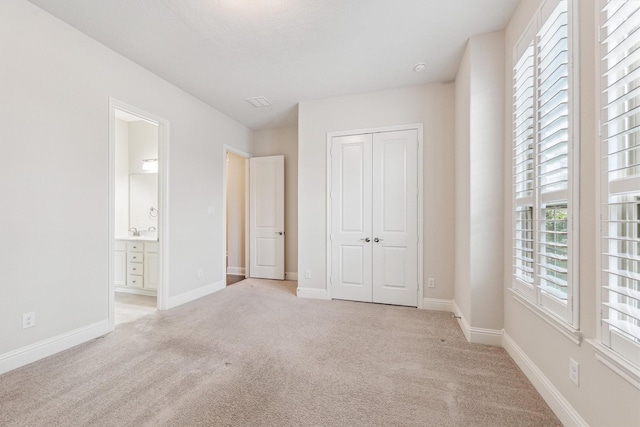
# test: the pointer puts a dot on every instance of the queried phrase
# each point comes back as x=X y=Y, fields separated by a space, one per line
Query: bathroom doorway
x=236 y=214
x=138 y=213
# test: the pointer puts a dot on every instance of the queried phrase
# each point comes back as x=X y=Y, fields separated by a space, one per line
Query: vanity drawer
x=135 y=268
x=135 y=257
x=136 y=281
x=135 y=246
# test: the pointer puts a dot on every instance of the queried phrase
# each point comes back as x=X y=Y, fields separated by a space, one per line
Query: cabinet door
x=151 y=271
x=120 y=268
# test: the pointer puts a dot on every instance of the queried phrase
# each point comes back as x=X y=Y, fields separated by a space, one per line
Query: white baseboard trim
x=311 y=293
x=437 y=304
x=556 y=401
x=292 y=275
x=235 y=271
x=31 y=353
x=195 y=294
x=136 y=291
x=477 y=335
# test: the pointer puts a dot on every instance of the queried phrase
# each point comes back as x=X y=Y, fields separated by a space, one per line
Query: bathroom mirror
x=143 y=200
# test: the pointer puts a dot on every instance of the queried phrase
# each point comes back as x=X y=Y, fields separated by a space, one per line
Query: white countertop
x=138 y=238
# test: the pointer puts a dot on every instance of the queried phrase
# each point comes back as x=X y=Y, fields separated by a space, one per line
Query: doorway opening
x=236 y=250
x=138 y=213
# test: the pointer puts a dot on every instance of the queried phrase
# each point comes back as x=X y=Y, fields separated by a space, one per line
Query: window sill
x=619 y=365
x=568 y=331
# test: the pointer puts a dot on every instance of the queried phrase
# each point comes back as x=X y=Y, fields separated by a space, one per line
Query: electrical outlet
x=28 y=320
x=200 y=273
x=574 y=371
x=212 y=210
x=431 y=282
x=307 y=274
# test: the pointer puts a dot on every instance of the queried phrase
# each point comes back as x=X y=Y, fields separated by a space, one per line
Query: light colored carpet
x=255 y=355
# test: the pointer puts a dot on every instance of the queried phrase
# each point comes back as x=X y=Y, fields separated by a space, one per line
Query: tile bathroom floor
x=130 y=307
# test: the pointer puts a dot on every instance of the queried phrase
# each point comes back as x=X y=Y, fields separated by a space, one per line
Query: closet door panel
x=351 y=218
x=395 y=221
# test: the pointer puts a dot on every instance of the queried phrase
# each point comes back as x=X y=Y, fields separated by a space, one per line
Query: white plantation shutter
x=553 y=159
x=542 y=164
x=620 y=166
x=523 y=170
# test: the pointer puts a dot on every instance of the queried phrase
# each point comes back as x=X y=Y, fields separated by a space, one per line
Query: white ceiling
x=223 y=51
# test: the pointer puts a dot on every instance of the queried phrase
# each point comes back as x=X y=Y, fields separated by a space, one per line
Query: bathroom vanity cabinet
x=136 y=267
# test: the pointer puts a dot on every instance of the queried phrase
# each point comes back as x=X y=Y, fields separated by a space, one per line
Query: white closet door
x=395 y=218
x=351 y=161
x=266 y=217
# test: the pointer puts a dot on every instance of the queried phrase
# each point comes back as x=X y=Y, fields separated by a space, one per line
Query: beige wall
x=236 y=219
x=603 y=397
x=54 y=177
x=284 y=141
x=462 y=275
x=479 y=221
x=431 y=105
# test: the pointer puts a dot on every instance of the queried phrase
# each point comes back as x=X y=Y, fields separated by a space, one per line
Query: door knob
x=279 y=233
x=377 y=240
x=366 y=239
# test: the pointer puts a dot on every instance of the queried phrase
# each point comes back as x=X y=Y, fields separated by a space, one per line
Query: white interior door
x=395 y=218
x=351 y=217
x=266 y=217
x=374 y=217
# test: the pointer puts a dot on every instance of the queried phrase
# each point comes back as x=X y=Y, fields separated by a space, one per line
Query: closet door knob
x=377 y=240
x=366 y=239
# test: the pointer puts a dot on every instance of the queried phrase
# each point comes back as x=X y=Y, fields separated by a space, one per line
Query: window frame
x=617 y=359
x=562 y=316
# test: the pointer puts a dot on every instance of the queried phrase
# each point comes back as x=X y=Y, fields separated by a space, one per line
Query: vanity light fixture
x=150 y=165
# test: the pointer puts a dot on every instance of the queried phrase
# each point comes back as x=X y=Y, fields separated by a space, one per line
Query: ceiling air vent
x=259 y=101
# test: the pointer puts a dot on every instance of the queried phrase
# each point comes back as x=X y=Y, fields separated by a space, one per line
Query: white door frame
x=163 y=202
x=419 y=128
x=229 y=149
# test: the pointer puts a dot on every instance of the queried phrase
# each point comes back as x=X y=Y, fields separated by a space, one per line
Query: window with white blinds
x=620 y=177
x=542 y=160
x=523 y=167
